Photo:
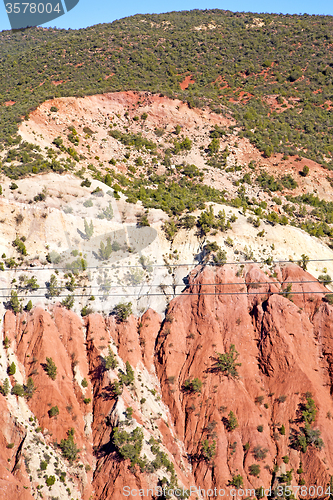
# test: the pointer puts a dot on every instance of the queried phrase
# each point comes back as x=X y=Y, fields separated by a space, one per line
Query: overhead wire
x=143 y=266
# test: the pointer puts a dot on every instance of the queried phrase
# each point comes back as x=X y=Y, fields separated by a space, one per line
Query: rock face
x=201 y=425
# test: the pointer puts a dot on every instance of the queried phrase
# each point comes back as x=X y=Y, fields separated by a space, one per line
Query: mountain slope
x=273 y=72
x=285 y=361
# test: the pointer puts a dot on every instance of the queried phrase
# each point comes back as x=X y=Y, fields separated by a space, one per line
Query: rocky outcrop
x=179 y=397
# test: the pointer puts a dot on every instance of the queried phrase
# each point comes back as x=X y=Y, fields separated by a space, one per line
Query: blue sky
x=89 y=12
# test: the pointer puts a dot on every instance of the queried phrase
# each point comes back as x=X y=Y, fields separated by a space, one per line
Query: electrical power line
x=176 y=294
x=249 y=284
x=145 y=266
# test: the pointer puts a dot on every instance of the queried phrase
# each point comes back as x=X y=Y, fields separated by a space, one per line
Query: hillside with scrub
x=166 y=258
x=273 y=72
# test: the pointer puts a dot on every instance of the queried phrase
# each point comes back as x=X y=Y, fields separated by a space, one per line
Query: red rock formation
x=285 y=343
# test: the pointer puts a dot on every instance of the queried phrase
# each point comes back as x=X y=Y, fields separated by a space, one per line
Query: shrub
x=282 y=430
x=288 y=182
x=260 y=428
x=285 y=459
x=236 y=481
x=128 y=377
x=232 y=421
x=328 y=298
x=226 y=363
x=116 y=388
x=50 y=481
x=68 y=302
x=309 y=410
x=86 y=310
x=53 y=109
x=50 y=368
x=43 y=465
x=14 y=302
x=53 y=289
x=87 y=401
x=68 y=446
x=4 y=389
x=259 y=452
x=28 y=306
x=307 y=436
x=110 y=362
x=304 y=261
x=254 y=470
x=84 y=383
x=305 y=171
x=214 y=146
x=325 y=278
x=123 y=310
x=11 y=369
x=194 y=385
x=53 y=257
x=129 y=412
x=208 y=451
x=18 y=390
x=29 y=388
x=53 y=412
x=10 y=446
x=170 y=229
x=40 y=197
x=128 y=445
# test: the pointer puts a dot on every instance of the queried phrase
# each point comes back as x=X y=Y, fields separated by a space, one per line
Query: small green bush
x=260 y=428
x=68 y=446
x=226 y=363
x=259 y=452
x=110 y=362
x=11 y=369
x=129 y=412
x=29 y=388
x=208 y=451
x=50 y=368
x=254 y=470
x=128 y=377
x=68 y=302
x=18 y=390
x=128 y=445
x=232 y=421
x=237 y=481
x=305 y=171
x=123 y=310
x=28 y=306
x=194 y=385
x=84 y=383
x=53 y=412
x=50 y=481
x=4 y=389
x=14 y=302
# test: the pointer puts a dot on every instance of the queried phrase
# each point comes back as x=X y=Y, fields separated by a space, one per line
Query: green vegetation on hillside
x=276 y=78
